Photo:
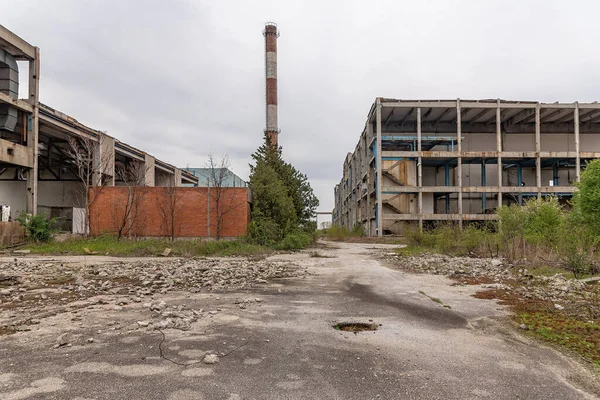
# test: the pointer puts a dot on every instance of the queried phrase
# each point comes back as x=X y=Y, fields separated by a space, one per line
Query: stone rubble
x=571 y=295
x=37 y=286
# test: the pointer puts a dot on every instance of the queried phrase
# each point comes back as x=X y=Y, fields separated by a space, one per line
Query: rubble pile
x=571 y=295
x=32 y=281
x=439 y=264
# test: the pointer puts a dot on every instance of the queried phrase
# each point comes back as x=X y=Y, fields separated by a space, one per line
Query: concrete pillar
x=104 y=161
x=378 y=166
x=177 y=178
x=538 y=161
x=369 y=179
x=419 y=170
x=499 y=150
x=577 y=159
x=149 y=168
x=33 y=132
x=459 y=161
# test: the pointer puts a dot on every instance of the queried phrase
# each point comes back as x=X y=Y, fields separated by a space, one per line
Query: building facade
x=40 y=170
x=458 y=160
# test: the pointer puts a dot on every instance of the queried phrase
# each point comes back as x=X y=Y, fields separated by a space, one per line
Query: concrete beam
x=15 y=154
x=478 y=189
x=17 y=103
x=66 y=128
x=489 y=154
x=441 y=217
x=16 y=46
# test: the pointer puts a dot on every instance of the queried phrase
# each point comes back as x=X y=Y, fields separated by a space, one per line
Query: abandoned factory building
x=458 y=160
x=43 y=152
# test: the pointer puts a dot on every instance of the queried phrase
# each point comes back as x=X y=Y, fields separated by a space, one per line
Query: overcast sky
x=181 y=79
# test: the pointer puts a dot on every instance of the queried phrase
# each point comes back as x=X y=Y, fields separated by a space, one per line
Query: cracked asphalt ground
x=284 y=346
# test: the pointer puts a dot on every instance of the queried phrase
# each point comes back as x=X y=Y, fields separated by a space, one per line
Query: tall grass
x=109 y=245
x=340 y=233
x=539 y=233
x=449 y=239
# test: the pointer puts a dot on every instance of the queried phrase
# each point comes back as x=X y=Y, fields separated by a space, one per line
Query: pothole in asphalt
x=355 y=327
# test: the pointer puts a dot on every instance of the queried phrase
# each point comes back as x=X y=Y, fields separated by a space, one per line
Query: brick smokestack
x=270 y=33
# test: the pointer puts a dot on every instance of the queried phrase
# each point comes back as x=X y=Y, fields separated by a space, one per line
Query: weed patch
x=561 y=329
x=109 y=245
x=434 y=299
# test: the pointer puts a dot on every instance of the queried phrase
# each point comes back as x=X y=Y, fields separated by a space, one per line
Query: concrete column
x=419 y=170
x=378 y=166
x=499 y=150
x=459 y=161
x=149 y=167
x=577 y=159
x=538 y=161
x=33 y=132
x=369 y=178
x=104 y=160
x=177 y=177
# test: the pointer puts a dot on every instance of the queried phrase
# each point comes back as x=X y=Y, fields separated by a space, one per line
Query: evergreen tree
x=282 y=195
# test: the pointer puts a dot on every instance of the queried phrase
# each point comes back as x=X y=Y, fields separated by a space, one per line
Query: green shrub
x=358 y=231
x=543 y=220
x=423 y=238
x=586 y=201
x=295 y=241
x=512 y=230
x=337 y=232
x=576 y=247
x=39 y=228
x=264 y=231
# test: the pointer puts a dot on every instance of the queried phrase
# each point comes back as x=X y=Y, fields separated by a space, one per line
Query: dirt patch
x=471 y=280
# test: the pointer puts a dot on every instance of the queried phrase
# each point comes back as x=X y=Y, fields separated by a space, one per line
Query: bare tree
x=222 y=203
x=169 y=210
x=127 y=216
x=89 y=165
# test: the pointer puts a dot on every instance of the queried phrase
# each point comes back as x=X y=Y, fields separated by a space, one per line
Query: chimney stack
x=271 y=34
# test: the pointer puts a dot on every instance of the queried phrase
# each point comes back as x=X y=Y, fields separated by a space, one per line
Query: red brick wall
x=108 y=205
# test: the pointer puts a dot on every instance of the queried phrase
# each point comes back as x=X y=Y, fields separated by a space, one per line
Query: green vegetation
x=540 y=233
x=39 y=228
x=448 y=239
x=435 y=299
x=284 y=203
x=110 y=245
x=340 y=233
x=295 y=240
x=559 y=328
x=547 y=238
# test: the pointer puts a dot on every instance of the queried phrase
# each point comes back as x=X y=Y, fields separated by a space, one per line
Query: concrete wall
x=12 y=193
x=59 y=194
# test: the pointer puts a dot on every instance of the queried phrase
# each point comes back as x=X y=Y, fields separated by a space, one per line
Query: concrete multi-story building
x=37 y=168
x=458 y=160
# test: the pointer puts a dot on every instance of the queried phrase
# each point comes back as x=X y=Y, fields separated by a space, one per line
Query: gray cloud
x=181 y=79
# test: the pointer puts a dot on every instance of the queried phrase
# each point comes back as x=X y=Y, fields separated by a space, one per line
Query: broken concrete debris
x=34 y=286
x=210 y=359
x=572 y=295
